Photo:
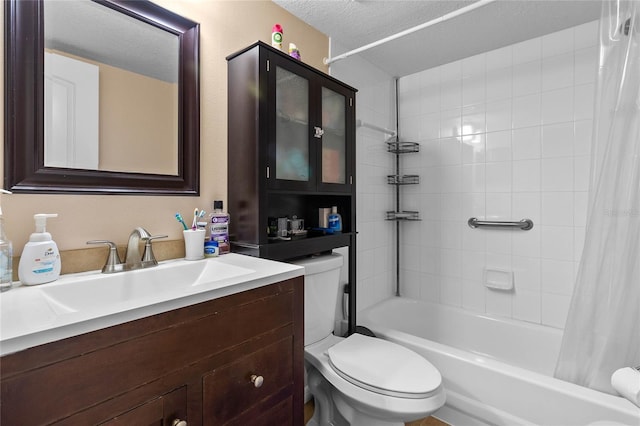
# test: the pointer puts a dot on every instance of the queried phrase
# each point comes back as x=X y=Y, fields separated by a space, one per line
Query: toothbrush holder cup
x=193 y=244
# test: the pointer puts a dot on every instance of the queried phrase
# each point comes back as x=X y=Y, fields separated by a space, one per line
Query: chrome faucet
x=133 y=259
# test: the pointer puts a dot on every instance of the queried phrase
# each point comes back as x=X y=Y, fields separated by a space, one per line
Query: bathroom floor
x=429 y=421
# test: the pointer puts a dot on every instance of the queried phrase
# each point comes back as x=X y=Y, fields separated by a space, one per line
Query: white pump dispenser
x=40 y=260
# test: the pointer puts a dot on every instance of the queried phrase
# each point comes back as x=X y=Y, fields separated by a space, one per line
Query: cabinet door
x=167 y=410
x=336 y=145
x=311 y=143
x=249 y=382
x=292 y=157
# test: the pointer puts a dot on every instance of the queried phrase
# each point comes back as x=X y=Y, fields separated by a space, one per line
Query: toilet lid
x=384 y=367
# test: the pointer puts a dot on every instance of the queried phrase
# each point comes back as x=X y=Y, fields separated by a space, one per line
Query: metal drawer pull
x=178 y=422
x=257 y=380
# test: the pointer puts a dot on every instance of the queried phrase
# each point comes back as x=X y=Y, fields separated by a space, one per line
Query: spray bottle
x=276 y=36
x=6 y=255
x=40 y=260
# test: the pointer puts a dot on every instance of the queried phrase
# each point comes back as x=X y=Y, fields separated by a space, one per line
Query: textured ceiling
x=355 y=23
x=93 y=31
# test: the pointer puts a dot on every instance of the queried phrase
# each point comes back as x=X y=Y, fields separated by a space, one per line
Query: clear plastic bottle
x=6 y=256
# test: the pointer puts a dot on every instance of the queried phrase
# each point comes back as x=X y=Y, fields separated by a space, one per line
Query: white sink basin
x=88 y=301
x=130 y=287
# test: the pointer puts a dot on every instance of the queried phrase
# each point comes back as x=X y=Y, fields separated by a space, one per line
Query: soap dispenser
x=40 y=260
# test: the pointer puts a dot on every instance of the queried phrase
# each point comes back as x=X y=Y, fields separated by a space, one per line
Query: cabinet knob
x=257 y=380
x=178 y=422
x=319 y=132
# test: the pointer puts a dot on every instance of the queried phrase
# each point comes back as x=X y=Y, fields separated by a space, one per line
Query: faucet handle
x=147 y=255
x=113 y=264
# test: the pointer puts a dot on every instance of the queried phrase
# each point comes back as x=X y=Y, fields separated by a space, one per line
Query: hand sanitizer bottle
x=40 y=260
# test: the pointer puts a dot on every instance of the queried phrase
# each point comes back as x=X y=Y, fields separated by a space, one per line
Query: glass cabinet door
x=334 y=142
x=292 y=156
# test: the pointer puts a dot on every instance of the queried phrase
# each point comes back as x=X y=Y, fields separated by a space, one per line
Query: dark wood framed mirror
x=24 y=151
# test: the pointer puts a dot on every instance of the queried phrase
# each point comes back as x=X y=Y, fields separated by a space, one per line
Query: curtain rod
x=360 y=123
x=445 y=17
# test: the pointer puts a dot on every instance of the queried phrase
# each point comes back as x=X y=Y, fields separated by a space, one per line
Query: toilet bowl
x=359 y=380
x=371 y=382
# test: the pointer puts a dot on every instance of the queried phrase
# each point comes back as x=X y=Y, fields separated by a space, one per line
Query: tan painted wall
x=126 y=137
x=226 y=27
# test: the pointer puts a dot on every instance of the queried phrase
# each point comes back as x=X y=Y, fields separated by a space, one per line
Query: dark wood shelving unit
x=275 y=104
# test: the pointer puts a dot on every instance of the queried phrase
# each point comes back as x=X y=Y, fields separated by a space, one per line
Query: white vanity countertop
x=89 y=301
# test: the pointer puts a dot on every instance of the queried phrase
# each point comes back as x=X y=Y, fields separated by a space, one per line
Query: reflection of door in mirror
x=137 y=106
x=71 y=113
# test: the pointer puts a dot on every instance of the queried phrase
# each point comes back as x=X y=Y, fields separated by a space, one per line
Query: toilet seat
x=384 y=367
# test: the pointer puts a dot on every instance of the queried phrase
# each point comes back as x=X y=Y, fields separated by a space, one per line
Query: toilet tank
x=321 y=292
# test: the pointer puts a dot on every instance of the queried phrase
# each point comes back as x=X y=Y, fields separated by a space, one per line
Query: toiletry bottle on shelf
x=220 y=227
x=6 y=255
x=40 y=260
x=294 y=52
x=276 y=36
x=335 y=220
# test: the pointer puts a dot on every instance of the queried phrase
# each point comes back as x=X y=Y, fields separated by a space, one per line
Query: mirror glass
x=108 y=102
x=104 y=99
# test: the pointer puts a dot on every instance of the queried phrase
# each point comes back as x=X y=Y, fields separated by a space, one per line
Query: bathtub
x=495 y=371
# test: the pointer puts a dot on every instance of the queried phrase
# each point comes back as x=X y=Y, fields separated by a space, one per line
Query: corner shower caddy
x=398 y=148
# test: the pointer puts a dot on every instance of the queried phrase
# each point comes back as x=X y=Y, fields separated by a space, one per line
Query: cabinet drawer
x=150 y=413
x=228 y=391
x=164 y=410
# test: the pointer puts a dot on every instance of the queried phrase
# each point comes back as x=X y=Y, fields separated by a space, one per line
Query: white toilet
x=359 y=380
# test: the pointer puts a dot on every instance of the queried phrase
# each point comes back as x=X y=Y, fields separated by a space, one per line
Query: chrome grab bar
x=524 y=224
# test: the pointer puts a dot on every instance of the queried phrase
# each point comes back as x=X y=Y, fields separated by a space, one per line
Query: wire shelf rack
x=403 y=215
x=403 y=179
x=397 y=147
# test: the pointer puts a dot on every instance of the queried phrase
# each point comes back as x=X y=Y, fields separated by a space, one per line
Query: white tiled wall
x=376 y=236
x=504 y=135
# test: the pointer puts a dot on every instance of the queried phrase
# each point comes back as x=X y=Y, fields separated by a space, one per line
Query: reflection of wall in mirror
x=138 y=122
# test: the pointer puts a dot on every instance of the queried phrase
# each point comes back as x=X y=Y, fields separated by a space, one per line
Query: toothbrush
x=181 y=220
x=195 y=219
x=197 y=214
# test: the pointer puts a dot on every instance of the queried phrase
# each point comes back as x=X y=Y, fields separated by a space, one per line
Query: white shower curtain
x=602 y=332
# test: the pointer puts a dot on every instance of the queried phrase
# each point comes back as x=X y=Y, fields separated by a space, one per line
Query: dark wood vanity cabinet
x=291 y=151
x=198 y=364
